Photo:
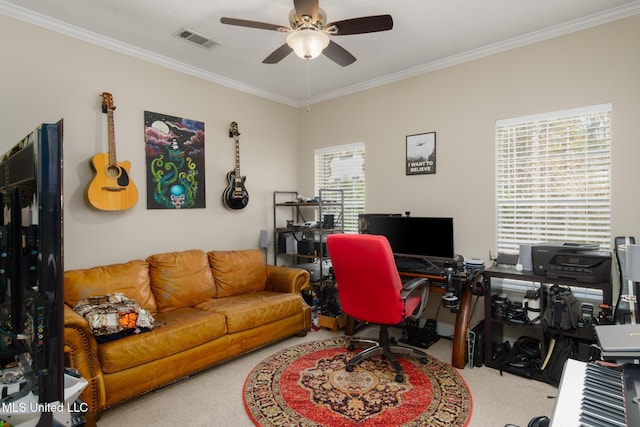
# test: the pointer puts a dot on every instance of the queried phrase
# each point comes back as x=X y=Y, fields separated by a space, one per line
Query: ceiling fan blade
x=365 y=24
x=306 y=7
x=338 y=54
x=278 y=55
x=252 y=24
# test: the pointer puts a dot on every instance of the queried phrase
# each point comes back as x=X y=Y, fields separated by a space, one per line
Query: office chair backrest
x=367 y=278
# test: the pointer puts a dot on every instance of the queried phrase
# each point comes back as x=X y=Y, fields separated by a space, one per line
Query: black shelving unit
x=288 y=207
x=326 y=213
x=497 y=328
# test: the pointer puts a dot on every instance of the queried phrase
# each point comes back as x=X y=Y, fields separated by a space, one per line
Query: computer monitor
x=363 y=221
x=430 y=237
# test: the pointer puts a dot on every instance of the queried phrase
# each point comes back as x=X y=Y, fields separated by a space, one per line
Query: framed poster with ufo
x=421 y=154
x=175 y=162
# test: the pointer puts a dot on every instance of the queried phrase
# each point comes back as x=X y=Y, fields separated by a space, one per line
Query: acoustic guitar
x=111 y=188
x=235 y=196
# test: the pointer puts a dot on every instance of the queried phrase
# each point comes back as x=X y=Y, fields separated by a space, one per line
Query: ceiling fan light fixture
x=307 y=43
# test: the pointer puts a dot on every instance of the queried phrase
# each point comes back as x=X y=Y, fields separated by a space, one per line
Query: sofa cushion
x=248 y=311
x=131 y=279
x=178 y=330
x=238 y=272
x=180 y=279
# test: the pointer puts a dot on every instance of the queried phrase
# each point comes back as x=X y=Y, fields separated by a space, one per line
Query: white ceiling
x=427 y=35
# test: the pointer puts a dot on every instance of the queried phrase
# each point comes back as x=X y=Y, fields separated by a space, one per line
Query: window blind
x=553 y=178
x=342 y=168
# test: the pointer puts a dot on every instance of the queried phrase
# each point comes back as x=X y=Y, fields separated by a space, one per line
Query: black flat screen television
x=31 y=266
x=431 y=237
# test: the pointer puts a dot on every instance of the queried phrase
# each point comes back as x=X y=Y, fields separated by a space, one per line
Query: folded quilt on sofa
x=113 y=316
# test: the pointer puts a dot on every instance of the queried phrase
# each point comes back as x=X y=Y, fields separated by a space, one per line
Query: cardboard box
x=333 y=323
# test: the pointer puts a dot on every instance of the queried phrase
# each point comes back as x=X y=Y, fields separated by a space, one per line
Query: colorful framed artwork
x=175 y=162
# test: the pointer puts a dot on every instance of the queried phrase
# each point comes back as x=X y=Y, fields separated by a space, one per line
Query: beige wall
x=462 y=103
x=47 y=76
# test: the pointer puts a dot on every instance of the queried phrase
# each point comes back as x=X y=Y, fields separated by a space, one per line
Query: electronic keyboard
x=593 y=395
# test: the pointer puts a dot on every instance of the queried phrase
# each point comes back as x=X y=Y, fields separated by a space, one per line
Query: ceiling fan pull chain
x=308 y=85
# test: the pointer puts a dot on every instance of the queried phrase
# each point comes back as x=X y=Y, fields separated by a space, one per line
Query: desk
x=438 y=284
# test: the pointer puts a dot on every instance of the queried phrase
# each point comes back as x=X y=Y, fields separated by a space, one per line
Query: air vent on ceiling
x=196 y=38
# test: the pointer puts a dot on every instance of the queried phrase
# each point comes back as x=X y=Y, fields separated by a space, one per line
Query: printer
x=574 y=261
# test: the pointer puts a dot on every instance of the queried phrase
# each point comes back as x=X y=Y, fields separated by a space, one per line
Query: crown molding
x=55 y=25
x=115 y=45
x=503 y=46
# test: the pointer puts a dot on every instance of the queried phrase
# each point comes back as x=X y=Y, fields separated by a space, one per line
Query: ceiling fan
x=309 y=32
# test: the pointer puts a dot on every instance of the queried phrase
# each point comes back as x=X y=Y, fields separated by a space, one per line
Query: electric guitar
x=235 y=196
x=111 y=188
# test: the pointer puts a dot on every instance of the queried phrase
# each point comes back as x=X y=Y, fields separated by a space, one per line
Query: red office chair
x=370 y=290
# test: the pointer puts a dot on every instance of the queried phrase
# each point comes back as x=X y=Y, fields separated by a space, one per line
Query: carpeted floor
x=308 y=385
x=215 y=397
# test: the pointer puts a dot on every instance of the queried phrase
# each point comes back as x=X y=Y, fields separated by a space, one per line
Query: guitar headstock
x=107 y=102
x=233 y=130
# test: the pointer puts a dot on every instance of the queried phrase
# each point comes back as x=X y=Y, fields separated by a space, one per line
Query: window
x=342 y=168
x=552 y=178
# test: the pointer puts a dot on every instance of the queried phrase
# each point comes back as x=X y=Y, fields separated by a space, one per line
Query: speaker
x=328 y=221
x=526 y=260
x=305 y=247
x=291 y=244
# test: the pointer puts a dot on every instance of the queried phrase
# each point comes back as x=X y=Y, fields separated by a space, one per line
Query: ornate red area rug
x=308 y=385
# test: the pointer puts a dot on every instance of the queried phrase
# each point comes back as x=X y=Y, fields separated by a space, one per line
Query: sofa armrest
x=286 y=279
x=81 y=352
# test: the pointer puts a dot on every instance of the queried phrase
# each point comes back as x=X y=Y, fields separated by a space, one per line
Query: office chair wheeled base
x=386 y=349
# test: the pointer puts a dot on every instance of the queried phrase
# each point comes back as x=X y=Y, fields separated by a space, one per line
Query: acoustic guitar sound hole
x=113 y=171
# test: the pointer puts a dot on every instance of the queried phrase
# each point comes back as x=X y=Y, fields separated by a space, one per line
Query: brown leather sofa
x=210 y=307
